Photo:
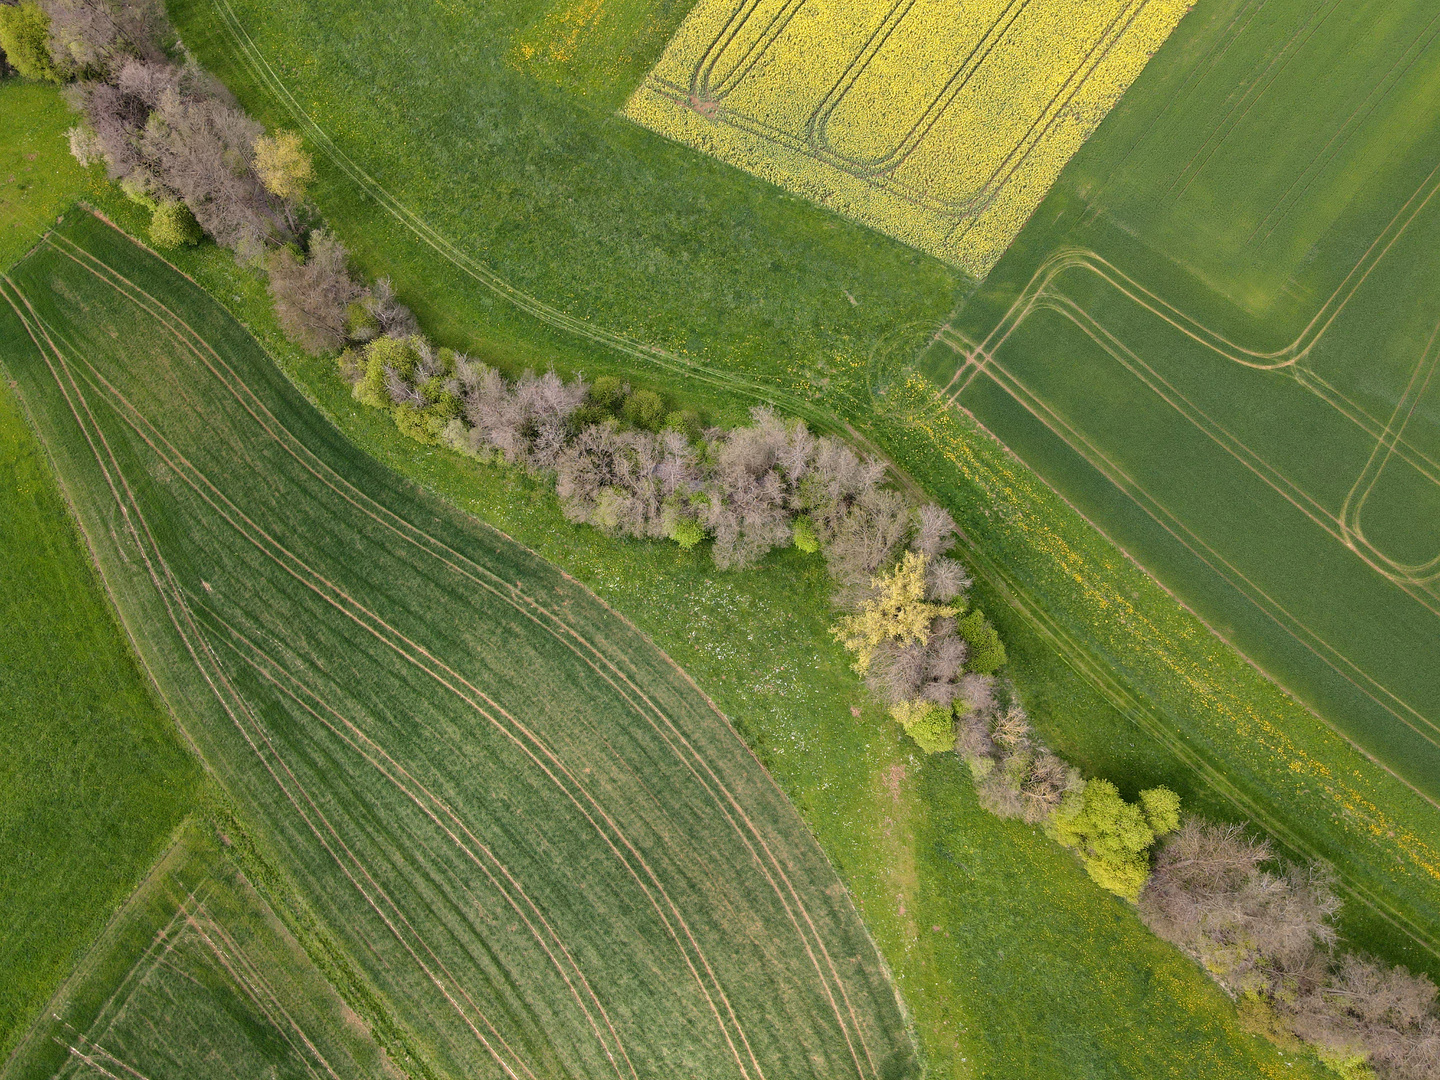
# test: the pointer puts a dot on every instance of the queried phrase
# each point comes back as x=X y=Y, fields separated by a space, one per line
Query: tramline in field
x=1249 y=350
x=940 y=124
x=536 y=837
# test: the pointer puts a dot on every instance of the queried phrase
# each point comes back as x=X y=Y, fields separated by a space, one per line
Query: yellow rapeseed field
x=941 y=123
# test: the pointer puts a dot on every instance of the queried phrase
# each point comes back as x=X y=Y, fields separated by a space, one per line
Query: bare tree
x=934 y=531
x=96 y=37
x=311 y=296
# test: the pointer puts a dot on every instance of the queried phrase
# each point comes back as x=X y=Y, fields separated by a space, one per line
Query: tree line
x=624 y=460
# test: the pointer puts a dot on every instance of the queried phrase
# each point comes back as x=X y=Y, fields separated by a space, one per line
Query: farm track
x=841 y=1002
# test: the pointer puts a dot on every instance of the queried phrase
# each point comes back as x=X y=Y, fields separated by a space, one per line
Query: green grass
x=38 y=177
x=197 y=976
x=612 y=231
x=93 y=777
x=1013 y=982
x=535 y=837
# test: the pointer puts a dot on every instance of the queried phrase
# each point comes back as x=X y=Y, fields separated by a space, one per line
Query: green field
x=540 y=842
x=1217 y=338
x=530 y=224
x=1011 y=980
x=196 y=976
x=93 y=777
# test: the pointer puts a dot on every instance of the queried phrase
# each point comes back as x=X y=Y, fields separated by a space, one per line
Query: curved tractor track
x=536 y=836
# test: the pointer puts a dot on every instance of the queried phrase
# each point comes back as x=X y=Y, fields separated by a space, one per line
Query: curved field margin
x=547 y=850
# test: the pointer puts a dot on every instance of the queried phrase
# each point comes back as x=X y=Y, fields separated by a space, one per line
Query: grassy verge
x=38 y=177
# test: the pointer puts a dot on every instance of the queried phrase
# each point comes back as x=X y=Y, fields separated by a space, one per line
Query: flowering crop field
x=940 y=124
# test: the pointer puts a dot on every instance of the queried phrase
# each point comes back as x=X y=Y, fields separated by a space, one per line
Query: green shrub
x=588 y=414
x=172 y=225
x=687 y=532
x=685 y=421
x=1113 y=837
x=360 y=322
x=136 y=190
x=445 y=407
x=412 y=422
x=931 y=726
x=370 y=390
x=804 y=533
x=987 y=651
x=644 y=409
x=25 y=40
x=397 y=353
x=608 y=393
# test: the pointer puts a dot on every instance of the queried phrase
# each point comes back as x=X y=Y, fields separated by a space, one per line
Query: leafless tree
x=96 y=37
x=311 y=296
x=934 y=531
x=395 y=319
x=945 y=579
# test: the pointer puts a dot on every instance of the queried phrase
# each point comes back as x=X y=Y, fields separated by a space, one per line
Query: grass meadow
x=538 y=840
x=530 y=224
x=989 y=929
x=38 y=177
x=197 y=976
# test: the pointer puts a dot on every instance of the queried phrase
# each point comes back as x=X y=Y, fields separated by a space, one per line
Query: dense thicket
x=1265 y=931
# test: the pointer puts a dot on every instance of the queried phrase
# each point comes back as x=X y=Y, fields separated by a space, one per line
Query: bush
x=931 y=726
x=172 y=225
x=1113 y=837
x=360 y=323
x=313 y=297
x=987 y=651
x=687 y=532
x=805 y=538
x=685 y=421
x=25 y=41
x=608 y=393
x=283 y=165
x=644 y=409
